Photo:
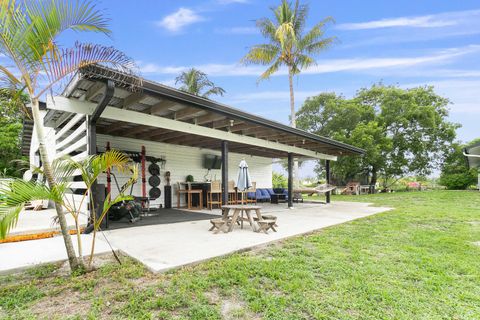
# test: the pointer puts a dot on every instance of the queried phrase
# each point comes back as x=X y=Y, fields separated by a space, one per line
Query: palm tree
x=18 y=192
x=195 y=82
x=288 y=46
x=29 y=32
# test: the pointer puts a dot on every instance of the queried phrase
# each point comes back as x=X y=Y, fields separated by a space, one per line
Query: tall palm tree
x=196 y=82
x=289 y=46
x=29 y=32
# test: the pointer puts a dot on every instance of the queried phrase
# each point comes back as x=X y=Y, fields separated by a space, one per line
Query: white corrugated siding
x=182 y=161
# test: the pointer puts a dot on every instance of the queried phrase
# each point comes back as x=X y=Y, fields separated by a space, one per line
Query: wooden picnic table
x=238 y=211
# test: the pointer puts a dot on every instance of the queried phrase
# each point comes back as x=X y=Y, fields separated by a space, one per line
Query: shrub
x=279 y=180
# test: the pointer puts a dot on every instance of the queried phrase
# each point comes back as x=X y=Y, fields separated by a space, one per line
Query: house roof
x=149 y=97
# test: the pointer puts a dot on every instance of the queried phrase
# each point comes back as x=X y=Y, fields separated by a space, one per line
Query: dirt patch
x=234 y=308
x=62 y=305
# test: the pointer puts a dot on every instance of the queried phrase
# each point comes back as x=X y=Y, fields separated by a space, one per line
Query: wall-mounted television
x=211 y=161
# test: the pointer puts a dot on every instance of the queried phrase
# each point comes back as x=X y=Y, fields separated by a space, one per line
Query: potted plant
x=190 y=178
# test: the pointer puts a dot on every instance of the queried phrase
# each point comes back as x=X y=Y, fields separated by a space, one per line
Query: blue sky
x=408 y=43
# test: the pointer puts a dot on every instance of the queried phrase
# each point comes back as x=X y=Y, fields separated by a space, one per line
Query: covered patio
x=100 y=104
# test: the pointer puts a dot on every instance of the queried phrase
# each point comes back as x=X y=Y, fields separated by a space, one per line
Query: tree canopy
x=403 y=131
x=10 y=131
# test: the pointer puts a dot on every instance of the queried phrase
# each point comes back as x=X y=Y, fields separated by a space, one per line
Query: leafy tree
x=402 y=131
x=29 y=34
x=10 y=131
x=196 y=82
x=456 y=175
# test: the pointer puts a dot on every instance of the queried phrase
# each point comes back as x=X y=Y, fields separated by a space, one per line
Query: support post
x=290 y=180
x=224 y=172
x=328 y=177
x=98 y=190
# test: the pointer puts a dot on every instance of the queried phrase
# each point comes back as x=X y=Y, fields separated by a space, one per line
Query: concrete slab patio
x=165 y=246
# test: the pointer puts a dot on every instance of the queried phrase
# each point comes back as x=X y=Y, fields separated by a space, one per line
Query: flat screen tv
x=211 y=161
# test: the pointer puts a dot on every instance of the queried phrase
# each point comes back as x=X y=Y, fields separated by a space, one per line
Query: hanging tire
x=154 y=181
x=154 y=169
x=154 y=193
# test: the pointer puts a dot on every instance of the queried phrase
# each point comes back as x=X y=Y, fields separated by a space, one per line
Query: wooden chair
x=232 y=193
x=189 y=192
x=214 y=195
x=180 y=191
x=253 y=190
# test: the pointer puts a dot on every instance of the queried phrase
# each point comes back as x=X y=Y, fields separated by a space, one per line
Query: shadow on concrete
x=162 y=216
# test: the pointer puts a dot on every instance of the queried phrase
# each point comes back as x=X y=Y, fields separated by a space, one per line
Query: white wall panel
x=182 y=161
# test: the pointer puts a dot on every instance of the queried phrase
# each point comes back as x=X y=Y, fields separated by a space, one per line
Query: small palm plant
x=18 y=192
x=196 y=82
x=29 y=34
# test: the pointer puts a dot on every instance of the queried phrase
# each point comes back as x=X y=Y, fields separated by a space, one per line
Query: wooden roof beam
x=132 y=99
x=186 y=113
x=209 y=118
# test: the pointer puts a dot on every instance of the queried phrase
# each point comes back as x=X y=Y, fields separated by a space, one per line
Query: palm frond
x=267 y=28
x=271 y=70
x=8 y=218
x=263 y=54
x=57 y=67
x=214 y=91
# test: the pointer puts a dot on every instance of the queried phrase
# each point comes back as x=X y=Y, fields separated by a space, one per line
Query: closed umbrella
x=243 y=182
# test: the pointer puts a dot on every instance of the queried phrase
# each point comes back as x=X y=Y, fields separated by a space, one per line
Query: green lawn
x=419 y=261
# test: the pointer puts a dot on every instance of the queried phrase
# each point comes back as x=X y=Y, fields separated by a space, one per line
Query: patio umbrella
x=243 y=182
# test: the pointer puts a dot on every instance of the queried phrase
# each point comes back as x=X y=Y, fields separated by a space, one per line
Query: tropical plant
x=288 y=44
x=16 y=193
x=196 y=82
x=279 y=180
x=29 y=34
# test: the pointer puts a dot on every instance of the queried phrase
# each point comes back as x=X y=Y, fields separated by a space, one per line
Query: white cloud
x=232 y=1
x=447 y=19
x=179 y=19
x=323 y=66
x=237 y=30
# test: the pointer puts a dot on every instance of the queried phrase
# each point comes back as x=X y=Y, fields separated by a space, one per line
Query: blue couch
x=263 y=194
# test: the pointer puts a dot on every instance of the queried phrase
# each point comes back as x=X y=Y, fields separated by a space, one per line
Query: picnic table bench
x=227 y=221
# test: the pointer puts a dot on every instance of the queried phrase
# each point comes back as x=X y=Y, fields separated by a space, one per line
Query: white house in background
x=103 y=108
x=472 y=155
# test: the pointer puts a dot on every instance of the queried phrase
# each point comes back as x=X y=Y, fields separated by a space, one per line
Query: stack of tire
x=154 y=181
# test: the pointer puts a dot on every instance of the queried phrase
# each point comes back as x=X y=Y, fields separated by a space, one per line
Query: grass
x=418 y=261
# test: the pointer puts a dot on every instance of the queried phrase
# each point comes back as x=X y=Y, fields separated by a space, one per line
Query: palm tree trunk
x=38 y=120
x=293 y=123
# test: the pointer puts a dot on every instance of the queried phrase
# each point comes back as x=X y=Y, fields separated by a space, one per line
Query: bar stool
x=214 y=195
x=232 y=193
x=189 y=192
